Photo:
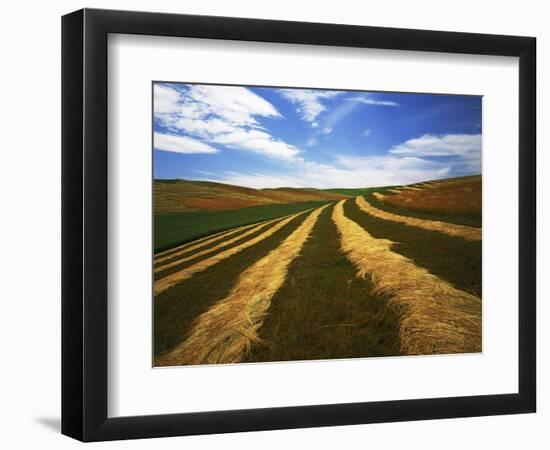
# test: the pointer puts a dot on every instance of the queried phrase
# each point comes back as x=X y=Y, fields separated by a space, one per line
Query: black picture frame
x=84 y=224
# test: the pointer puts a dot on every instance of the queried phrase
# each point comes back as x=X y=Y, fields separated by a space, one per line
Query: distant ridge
x=186 y=195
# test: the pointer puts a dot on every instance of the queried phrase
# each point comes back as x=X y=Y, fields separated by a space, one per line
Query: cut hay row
x=409 y=188
x=181 y=275
x=323 y=311
x=199 y=243
x=379 y=196
x=435 y=316
x=428 y=184
x=451 y=229
x=226 y=332
x=221 y=245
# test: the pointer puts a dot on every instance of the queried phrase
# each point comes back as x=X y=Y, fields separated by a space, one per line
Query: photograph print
x=297 y=224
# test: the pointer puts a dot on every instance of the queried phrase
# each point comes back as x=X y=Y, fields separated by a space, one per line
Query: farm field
x=173 y=196
x=313 y=274
x=172 y=229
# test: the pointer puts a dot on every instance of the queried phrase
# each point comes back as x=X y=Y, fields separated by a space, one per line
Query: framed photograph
x=273 y=224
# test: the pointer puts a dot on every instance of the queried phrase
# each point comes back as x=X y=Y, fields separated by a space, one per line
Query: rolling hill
x=175 y=196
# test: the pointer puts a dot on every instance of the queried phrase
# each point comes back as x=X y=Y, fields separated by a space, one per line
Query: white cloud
x=367 y=132
x=226 y=115
x=327 y=130
x=465 y=147
x=257 y=141
x=314 y=124
x=308 y=101
x=165 y=99
x=346 y=172
x=181 y=144
x=409 y=162
x=371 y=101
x=444 y=145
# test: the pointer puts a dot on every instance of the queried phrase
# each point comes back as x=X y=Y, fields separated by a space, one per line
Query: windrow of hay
x=451 y=229
x=226 y=332
x=221 y=245
x=409 y=188
x=379 y=196
x=199 y=243
x=436 y=318
x=181 y=275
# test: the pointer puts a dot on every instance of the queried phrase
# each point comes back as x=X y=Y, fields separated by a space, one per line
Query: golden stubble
x=436 y=318
x=182 y=275
x=450 y=229
x=214 y=249
x=199 y=243
x=226 y=332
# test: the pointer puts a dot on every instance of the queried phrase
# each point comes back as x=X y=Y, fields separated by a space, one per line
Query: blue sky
x=270 y=137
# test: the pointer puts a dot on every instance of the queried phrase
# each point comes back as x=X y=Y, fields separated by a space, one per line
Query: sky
x=263 y=137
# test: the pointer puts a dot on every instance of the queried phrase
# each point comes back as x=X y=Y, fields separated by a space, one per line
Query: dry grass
x=181 y=275
x=226 y=332
x=451 y=229
x=199 y=243
x=207 y=251
x=408 y=188
x=379 y=196
x=436 y=318
x=186 y=195
x=453 y=197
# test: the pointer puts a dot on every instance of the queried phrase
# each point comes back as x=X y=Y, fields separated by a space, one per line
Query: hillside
x=185 y=196
x=451 y=199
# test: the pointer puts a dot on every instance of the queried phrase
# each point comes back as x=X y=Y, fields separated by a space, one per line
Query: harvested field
x=172 y=196
x=176 y=309
x=455 y=260
x=175 y=229
x=436 y=317
x=323 y=310
x=226 y=332
x=177 y=258
x=317 y=280
x=462 y=231
x=459 y=197
x=179 y=276
x=198 y=244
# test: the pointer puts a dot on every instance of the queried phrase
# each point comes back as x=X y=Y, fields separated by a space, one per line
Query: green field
x=173 y=229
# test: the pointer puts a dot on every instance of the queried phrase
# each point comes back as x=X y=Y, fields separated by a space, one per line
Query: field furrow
x=225 y=333
x=323 y=310
x=226 y=243
x=176 y=309
x=181 y=275
x=462 y=231
x=435 y=316
x=455 y=260
x=198 y=244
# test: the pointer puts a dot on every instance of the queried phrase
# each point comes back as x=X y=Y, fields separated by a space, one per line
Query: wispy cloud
x=345 y=172
x=366 y=100
x=212 y=119
x=309 y=102
x=465 y=147
x=180 y=144
x=226 y=115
